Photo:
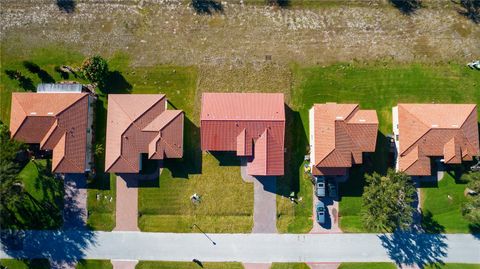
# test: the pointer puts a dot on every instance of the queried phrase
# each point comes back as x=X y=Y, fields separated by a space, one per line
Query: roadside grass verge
x=94 y=264
x=25 y=264
x=187 y=265
x=291 y=265
x=378 y=86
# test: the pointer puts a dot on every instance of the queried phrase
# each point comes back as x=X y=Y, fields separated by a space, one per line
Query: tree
x=387 y=201
x=10 y=186
x=471 y=209
x=99 y=149
x=473 y=179
x=95 y=69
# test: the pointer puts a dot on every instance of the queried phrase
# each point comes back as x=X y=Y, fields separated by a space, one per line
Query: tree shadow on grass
x=115 y=83
x=407 y=7
x=296 y=144
x=469 y=9
x=279 y=3
x=23 y=211
x=32 y=264
x=23 y=238
x=24 y=82
x=191 y=163
x=67 y=6
x=207 y=7
x=429 y=225
x=35 y=69
x=474 y=229
x=415 y=247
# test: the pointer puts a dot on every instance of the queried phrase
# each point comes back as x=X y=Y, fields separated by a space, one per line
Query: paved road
x=250 y=248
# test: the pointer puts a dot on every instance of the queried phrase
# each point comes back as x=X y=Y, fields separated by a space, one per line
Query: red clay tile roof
x=56 y=121
x=140 y=123
x=251 y=124
x=342 y=133
x=434 y=130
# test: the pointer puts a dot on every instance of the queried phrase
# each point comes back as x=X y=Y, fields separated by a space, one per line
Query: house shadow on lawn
x=226 y=158
x=296 y=144
x=372 y=162
x=191 y=163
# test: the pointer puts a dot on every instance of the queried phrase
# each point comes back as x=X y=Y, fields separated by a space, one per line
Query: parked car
x=332 y=188
x=320 y=212
x=320 y=186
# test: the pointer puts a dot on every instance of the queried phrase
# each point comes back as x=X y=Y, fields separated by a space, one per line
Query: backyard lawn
x=378 y=86
x=187 y=265
x=441 y=205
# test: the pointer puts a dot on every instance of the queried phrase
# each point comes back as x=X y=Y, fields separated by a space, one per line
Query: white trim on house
x=396 y=134
x=311 y=124
x=90 y=150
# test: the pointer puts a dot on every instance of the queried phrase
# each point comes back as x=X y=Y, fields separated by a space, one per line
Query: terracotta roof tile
x=342 y=133
x=57 y=121
x=251 y=124
x=140 y=123
x=436 y=130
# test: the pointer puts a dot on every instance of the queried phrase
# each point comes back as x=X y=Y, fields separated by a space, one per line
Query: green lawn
x=277 y=265
x=227 y=202
x=378 y=86
x=367 y=265
x=441 y=205
x=94 y=264
x=187 y=265
x=25 y=264
x=41 y=206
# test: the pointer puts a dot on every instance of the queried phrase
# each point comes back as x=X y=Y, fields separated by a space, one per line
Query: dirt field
x=171 y=32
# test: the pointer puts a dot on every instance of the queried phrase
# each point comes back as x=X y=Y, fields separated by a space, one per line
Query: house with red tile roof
x=446 y=131
x=141 y=124
x=250 y=124
x=60 y=122
x=339 y=135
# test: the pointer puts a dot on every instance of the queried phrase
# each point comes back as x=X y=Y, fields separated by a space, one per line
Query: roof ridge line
x=416 y=141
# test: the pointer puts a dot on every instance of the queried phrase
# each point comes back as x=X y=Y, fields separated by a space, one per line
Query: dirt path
x=171 y=32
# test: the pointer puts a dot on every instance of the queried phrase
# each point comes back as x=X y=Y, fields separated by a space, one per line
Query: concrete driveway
x=264 y=201
x=126 y=215
x=75 y=201
x=331 y=218
x=265 y=205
